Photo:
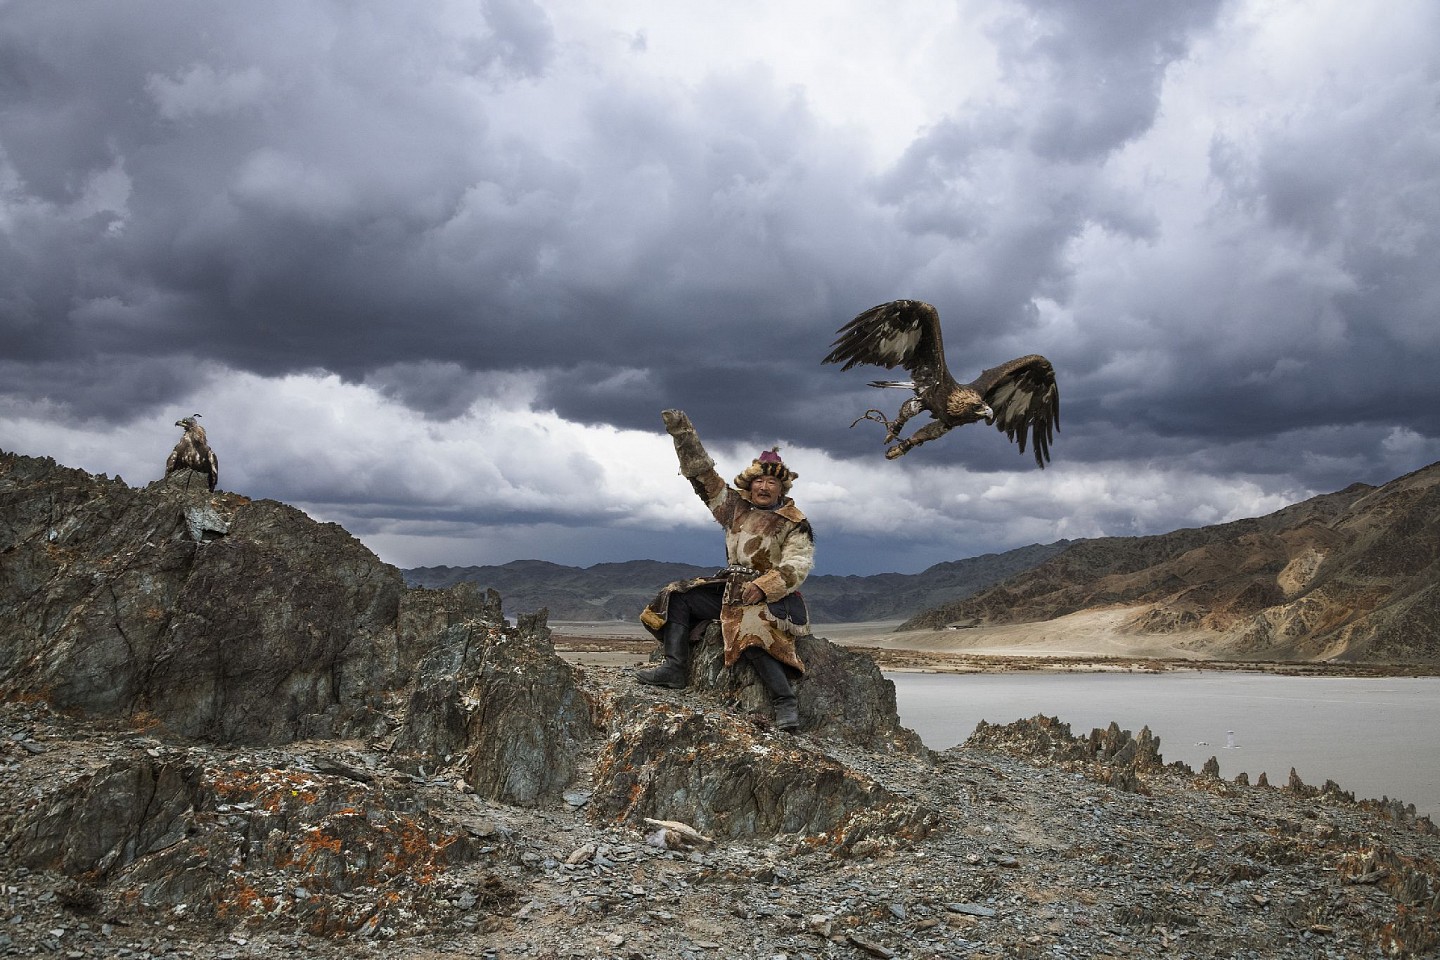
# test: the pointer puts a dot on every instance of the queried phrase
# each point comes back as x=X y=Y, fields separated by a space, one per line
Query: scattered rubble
x=334 y=849
x=415 y=777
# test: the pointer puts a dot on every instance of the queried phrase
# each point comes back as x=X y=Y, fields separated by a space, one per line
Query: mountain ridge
x=1352 y=575
x=620 y=590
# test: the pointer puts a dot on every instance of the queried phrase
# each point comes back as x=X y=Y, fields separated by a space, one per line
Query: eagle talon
x=877 y=418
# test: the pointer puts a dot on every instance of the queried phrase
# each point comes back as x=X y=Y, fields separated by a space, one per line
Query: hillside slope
x=619 y=591
x=1351 y=575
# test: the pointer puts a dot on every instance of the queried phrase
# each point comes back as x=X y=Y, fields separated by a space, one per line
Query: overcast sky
x=431 y=271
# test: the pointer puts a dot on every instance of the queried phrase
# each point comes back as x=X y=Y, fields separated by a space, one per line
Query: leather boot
x=782 y=696
x=674 y=672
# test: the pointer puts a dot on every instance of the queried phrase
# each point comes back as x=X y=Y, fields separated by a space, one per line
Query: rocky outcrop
x=1112 y=756
x=499 y=705
x=215 y=617
x=842 y=695
x=708 y=755
x=720 y=775
x=236 y=622
x=279 y=628
x=439 y=779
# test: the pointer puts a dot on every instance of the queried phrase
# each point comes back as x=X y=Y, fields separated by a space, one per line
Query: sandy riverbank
x=1089 y=634
x=1091 y=640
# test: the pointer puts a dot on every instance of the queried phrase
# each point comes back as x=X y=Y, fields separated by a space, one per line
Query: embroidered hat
x=768 y=464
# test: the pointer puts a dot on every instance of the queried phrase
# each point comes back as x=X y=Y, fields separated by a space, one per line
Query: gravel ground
x=1037 y=856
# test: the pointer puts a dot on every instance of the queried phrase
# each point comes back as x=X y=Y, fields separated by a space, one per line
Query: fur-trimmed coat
x=776 y=544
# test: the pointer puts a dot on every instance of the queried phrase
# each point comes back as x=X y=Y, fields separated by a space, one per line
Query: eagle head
x=966 y=405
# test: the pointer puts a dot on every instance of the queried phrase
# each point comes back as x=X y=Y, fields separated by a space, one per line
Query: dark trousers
x=696 y=606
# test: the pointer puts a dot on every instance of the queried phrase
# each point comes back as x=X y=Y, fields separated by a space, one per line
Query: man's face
x=765 y=491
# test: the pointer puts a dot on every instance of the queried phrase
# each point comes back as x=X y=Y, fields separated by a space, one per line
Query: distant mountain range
x=1352 y=575
x=619 y=591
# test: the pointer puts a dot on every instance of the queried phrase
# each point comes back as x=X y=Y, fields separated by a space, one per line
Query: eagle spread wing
x=903 y=333
x=1025 y=401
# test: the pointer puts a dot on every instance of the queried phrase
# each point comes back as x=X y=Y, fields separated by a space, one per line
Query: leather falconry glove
x=693 y=458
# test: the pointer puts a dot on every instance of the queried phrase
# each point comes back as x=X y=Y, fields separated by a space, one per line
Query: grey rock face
x=205 y=524
x=105 y=821
x=246 y=622
x=275 y=630
x=708 y=756
x=721 y=775
x=843 y=695
x=239 y=840
x=501 y=699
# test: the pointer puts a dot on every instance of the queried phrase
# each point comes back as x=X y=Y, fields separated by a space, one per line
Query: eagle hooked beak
x=989 y=414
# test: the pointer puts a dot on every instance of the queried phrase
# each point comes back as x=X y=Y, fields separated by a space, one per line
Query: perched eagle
x=1019 y=397
x=193 y=452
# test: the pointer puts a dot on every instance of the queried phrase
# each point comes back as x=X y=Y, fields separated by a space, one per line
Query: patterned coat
x=774 y=548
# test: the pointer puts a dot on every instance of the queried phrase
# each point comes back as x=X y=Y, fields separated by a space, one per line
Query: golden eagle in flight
x=1020 y=397
x=193 y=452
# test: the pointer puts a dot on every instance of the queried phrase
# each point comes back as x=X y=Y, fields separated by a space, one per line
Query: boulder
x=505 y=703
x=843 y=695
x=104 y=821
x=709 y=756
x=727 y=777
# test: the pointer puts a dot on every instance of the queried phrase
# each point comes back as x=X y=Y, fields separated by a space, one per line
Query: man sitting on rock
x=769 y=548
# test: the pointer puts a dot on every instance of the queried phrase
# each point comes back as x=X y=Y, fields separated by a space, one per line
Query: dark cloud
x=1095 y=72
x=438 y=390
x=104 y=389
x=502 y=205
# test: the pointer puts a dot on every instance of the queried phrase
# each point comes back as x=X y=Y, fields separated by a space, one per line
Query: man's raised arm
x=691 y=453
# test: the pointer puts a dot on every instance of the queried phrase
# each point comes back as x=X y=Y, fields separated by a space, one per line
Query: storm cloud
x=432 y=272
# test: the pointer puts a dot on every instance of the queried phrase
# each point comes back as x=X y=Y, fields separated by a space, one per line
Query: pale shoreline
x=1087 y=634
x=1089 y=640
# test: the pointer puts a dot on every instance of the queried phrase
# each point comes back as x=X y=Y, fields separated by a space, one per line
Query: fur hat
x=768 y=464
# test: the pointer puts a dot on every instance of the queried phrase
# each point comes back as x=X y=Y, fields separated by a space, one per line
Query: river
x=1373 y=736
